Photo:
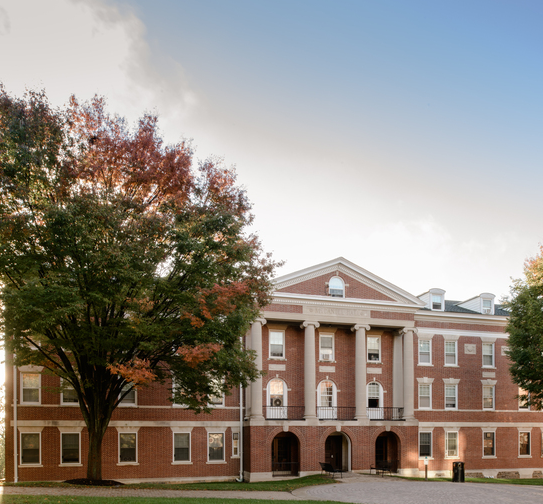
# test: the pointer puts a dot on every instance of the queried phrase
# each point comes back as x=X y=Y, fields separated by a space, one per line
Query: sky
x=405 y=136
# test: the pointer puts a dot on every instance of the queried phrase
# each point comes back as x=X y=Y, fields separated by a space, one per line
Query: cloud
x=89 y=47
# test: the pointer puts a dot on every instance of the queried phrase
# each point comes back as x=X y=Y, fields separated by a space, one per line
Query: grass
x=269 y=486
x=53 y=499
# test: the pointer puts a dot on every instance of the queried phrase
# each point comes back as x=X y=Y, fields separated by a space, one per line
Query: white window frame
x=33 y=403
x=78 y=434
x=278 y=412
x=529 y=432
x=378 y=338
x=429 y=352
x=493 y=432
x=125 y=433
x=523 y=406
x=438 y=293
x=64 y=387
x=374 y=412
x=32 y=464
x=282 y=333
x=422 y=457
x=190 y=448
x=215 y=402
x=210 y=433
x=335 y=288
x=330 y=413
x=235 y=444
x=455 y=432
x=126 y=403
x=429 y=385
x=455 y=343
x=455 y=385
x=492 y=388
x=492 y=346
x=175 y=404
x=321 y=354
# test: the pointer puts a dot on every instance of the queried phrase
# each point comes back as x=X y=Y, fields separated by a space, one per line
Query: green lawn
x=38 y=499
x=271 y=486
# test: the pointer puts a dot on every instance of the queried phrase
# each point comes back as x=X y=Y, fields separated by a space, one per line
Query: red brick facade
x=442 y=404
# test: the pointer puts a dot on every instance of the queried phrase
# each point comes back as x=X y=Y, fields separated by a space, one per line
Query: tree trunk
x=94 y=462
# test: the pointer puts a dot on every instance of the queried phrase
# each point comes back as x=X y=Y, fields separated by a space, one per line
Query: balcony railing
x=285 y=468
x=387 y=414
x=336 y=412
x=332 y=413
x=284 y=412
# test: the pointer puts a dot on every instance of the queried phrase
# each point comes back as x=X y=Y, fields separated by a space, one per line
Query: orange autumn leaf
x=199 y=353
x=138 y=372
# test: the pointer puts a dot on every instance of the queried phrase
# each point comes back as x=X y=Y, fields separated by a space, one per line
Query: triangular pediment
x=360 y=283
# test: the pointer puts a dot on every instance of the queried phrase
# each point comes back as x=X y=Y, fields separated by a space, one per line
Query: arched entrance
x=337 y=451
x=285 y=455
x=387 y=449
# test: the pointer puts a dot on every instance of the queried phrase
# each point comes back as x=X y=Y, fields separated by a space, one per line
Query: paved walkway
x=355 y=488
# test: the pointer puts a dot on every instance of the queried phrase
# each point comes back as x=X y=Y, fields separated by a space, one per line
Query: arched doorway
x=337 y=451
x=387 y=449
x=285 y=455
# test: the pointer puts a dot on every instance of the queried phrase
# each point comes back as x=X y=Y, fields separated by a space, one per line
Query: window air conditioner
x=486 y=311
x=278 y=402
x=326 y=357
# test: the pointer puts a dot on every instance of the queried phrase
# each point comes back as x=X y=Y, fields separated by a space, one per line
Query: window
x=216 y=446
x=522 y=404
x=130 y=398
x=30 y=385
x=451 y=444
x=488 y=397
x=181 y=447
x=277 y=344
x=488 y=354
x=487 y=306
x=326 y=343
x=450 y=353
x=425 y=444
x=235 y=444
x=30 y=448
x=326 y=401
x=277 y=399
x=68 y=395
x=489 y=449
x=216 y=399
x=375 y=401
x=336 y=287
x=69 y=447
x=437 y=302
x=450 y=396
x=425 y=352
x=425 y=396
x=374 y=349
x=524 y=444
x=127 y=447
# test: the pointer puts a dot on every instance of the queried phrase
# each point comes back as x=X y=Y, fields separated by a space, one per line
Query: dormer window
x=487 y=304
x=437 y=301
x=336 y=287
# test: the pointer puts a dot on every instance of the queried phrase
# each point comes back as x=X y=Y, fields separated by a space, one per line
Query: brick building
x=358 y=371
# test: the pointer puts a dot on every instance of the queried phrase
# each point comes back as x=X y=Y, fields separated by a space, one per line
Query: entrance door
x=285 y=455
x=387 y=450
x=333 y=451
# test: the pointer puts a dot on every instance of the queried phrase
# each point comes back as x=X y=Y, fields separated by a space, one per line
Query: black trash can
x=458 y=472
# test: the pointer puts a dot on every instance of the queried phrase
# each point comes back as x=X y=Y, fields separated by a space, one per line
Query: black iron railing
x=388 y=414
x=285 y=468
x=336 y=412
x=284 y=412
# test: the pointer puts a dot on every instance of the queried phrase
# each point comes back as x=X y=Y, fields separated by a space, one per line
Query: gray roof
x=452 y=307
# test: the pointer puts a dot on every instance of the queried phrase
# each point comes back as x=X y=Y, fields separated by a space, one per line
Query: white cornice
x=354 y=271
x=474 y=318
x=425 y=331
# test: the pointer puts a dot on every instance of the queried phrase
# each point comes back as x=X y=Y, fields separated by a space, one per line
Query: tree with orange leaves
x=120 y=262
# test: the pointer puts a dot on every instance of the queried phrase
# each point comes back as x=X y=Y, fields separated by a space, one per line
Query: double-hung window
x=451 y=444
x=425 y=444
x=489 y=448
x=216 y=447
x=130 y=398
x=425 y=396
x=488 y=397
x=524 y=443
x=522 y=404
x=450 y=353
x=30 y=385
x=374 y=349
x=451 y=400
x=181 y=447
x=326 y=347
x=30 y=448
x=488 y=354
x=425 y=352
x=68 y=396
x=128 y=443
x=70 y=447
x=277 y=344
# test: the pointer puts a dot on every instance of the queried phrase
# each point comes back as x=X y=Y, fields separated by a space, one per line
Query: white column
x=248 y=390
x=256 y=386
x=397 y=372
x=310 y=393
x=408 y=374
x=360 y=358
